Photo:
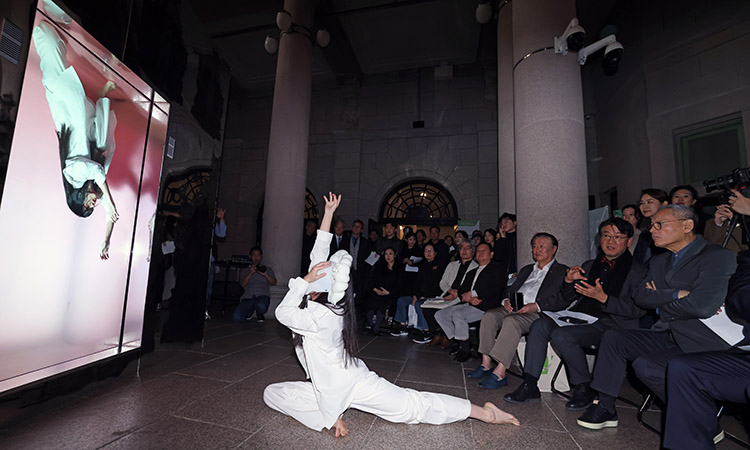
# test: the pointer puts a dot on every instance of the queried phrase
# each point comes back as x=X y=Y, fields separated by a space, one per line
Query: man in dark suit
x=339 y=240
x=359 y=248
x=685 y=284
x=602 y=288
x=540 y=285
x=695 y=382
x=479 y=292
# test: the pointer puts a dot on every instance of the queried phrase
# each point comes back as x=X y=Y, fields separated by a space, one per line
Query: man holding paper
x=602 y=289
x=686 y=284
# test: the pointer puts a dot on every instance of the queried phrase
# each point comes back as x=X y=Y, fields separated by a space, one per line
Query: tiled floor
x=209 y=395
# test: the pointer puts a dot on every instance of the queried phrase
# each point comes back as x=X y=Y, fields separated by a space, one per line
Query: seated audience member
x=381 y=289
x=479 y=292
x=602 y=287
x=717 y=228
x=539 y=283
x=389 y=240
x=685 y=284
x=257 y=283
x=505 y=244
x=697 y=381
x=686 y=195
x=440 y=247
x=421 y=238
x=651 y=200
x=308 y=239
x=632 y=215
x=426 y=285
x=339 y=241
x=450 y=283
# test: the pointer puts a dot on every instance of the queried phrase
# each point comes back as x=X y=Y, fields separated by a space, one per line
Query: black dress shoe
x=526 y=393
x=454 y=348
x=462 y=356
x=581 y=398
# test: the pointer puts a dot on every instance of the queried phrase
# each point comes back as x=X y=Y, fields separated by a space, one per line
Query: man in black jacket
x=540 y=285
x=602 y=288
x=479 y=292
x=685 y=284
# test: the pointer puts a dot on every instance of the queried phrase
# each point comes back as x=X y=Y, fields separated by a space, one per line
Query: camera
x=262 y=269
x=738 y=179
x=611 y=61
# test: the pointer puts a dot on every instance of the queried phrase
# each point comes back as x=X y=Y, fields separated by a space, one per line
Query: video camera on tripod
x=739 y=179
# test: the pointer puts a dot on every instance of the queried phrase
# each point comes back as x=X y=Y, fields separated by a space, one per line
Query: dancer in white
x=85 y=131
x=325 y=338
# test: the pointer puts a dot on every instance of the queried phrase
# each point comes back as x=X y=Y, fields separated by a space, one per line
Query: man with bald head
x=685 y=284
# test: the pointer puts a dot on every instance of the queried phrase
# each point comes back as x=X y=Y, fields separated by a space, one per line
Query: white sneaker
x=208 y=316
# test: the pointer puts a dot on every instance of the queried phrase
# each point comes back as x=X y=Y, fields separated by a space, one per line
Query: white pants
x=373 y=395
x=455 y=320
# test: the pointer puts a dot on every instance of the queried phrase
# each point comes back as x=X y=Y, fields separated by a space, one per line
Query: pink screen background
x=61 y=306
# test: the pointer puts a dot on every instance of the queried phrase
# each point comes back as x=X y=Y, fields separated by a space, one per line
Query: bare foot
x=108 y=87
x=499 y=416
x=341 y=428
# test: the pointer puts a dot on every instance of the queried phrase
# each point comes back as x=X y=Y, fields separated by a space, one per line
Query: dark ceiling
x=367 y=36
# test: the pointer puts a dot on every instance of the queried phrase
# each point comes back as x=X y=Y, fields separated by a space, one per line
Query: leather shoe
x=444 y=342
x=526 y=393
x=493 y=382
x=581 y=398
x=462 y=356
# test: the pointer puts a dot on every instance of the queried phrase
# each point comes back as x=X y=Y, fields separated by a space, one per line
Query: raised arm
x=112 y=216
x=322 y=246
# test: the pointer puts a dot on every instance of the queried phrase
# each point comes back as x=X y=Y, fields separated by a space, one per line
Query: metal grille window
x=419 y=202
x=311 y=205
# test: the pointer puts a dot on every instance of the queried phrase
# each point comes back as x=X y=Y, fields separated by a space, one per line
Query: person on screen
x=85 y=131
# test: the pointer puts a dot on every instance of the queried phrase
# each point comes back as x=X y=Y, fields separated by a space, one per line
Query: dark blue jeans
x=257 y=304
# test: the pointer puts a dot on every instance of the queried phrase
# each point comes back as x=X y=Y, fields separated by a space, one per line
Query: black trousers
x=569 y=343
x=650 y=352
x=695 y=383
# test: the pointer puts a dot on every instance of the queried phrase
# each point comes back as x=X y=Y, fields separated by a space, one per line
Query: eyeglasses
x=614 y=237
x=660 y=223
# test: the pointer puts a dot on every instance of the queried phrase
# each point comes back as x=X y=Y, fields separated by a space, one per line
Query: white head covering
x=342 y=263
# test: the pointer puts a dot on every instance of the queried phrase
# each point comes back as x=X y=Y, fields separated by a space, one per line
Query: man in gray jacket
x=684 y=285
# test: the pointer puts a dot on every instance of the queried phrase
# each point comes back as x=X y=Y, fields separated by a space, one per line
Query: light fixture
x=484 y=12
x=283 y=20
x=271 y=45
x=487 y=8
x=323 y=38
x=287 y=26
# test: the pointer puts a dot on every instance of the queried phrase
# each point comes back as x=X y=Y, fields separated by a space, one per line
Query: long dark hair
x=345 y=309
x=76 y=197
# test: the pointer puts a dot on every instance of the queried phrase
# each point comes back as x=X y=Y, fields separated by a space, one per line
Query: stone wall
x=684 y=63
x=362 y=144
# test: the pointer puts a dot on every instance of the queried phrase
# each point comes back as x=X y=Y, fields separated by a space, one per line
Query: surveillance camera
x=576 y=38
x=611 y=61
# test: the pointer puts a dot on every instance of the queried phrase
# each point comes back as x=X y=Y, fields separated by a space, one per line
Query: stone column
x=506 y=176
x=551 y=181
x=286 y=172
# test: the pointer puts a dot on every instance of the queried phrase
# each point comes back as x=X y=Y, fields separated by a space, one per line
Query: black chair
x=647 y=404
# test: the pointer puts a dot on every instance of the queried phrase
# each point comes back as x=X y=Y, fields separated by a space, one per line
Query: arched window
x=311 y=205
x=419 y=202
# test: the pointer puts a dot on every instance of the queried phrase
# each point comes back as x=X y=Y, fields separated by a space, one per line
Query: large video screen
x=77 y=206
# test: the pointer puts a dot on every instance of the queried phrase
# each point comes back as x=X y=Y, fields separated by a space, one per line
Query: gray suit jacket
x=704 y=270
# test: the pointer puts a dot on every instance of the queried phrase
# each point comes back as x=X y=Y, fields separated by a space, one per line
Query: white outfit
x=70 y=107
x=336 y=387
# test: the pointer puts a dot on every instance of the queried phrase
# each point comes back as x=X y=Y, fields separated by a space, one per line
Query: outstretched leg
x=492 y=414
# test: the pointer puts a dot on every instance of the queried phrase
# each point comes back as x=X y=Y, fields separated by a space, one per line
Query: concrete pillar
x=551 y=181
x=506 y=164
x=286 y=173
